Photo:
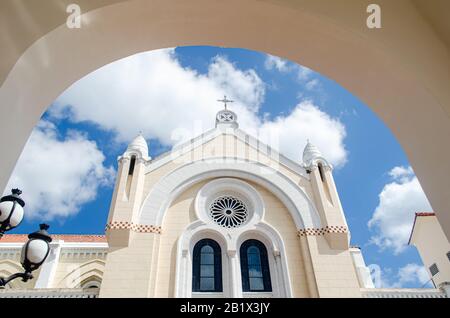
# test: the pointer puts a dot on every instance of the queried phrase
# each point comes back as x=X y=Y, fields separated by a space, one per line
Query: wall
x=433 y=246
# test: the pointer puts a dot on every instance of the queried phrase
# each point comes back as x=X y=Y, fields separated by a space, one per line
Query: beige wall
x=181 y=213
x=128 y=269
x=433 y=246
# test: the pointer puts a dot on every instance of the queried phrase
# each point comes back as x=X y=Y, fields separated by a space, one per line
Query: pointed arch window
x=207 y=267
x=255 y=269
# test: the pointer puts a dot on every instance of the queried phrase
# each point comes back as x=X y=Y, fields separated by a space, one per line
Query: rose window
x=228 y=211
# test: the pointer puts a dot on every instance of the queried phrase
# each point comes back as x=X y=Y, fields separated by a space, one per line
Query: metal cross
x=225 y=101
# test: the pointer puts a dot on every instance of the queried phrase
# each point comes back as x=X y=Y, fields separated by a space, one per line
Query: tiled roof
x=17 y=238
x=425 y=214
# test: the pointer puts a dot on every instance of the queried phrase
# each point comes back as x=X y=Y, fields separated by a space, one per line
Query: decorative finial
x=16 y=191
x=41 y=234
x=44 y=226
x=225 y=101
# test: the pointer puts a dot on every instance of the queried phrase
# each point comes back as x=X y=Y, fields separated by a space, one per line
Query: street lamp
x=11 y=211
x=34 y=253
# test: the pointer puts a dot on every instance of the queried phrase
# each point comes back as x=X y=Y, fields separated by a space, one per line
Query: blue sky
x=372 y=172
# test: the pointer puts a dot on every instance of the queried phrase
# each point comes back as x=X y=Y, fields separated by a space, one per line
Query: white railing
x=50 y=293
x=402 y=293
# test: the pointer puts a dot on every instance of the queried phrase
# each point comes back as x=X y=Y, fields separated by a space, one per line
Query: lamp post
x=36 y=249
x=34 y=253
x=11 y=211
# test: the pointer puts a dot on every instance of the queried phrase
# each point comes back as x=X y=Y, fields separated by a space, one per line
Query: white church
x=222 y=215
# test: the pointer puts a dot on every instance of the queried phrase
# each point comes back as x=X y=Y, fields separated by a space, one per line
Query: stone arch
x=270 y=237
x=395 y=70
x=195 y=232
x=9 y=267
x=170 y=186
x=80 y=274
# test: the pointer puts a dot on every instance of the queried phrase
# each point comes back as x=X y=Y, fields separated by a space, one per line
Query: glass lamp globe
x=36 y=250
x=11 y=211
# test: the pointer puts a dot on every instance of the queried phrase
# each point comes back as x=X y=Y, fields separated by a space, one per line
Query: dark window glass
x=207 y=267
x=255 y=270
x=132 y=164
x=321 y=172
x=434 y=269
x=448 y=256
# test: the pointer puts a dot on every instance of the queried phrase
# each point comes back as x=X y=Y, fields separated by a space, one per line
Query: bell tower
x=326 y=197
x=128 y=191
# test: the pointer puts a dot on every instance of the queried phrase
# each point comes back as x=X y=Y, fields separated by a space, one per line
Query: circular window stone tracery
x=228 y=211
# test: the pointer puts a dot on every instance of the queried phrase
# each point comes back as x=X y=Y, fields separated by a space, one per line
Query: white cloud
x=303 y=73
x=284 y=66
x=56 y=175
x=152 y=92
x=307 y=121
x=275 y=62
x=394 y=215
x=312 y=84
x=411 y=275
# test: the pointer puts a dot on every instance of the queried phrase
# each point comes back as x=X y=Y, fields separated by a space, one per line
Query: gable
x=230 y=143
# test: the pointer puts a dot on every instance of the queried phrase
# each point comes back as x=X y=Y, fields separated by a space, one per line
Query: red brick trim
x=89 y=238
x=322 y=231
x=140 y=228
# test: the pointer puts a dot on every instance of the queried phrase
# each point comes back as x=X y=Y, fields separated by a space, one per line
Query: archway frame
x=386 y=68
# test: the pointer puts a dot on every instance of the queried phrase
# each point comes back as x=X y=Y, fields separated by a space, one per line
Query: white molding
x=175 y=182
x=48 y=268
x=13 y=245
x=195 y=232
x=50 y=293
x=402 y=293
x=229 y=186
x=230 y=241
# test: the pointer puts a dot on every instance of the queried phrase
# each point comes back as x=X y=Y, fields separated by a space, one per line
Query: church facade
x=222 y=215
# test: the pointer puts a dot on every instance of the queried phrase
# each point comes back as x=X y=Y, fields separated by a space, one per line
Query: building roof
x=414 y=224
x=425 y=214
x=22 y=238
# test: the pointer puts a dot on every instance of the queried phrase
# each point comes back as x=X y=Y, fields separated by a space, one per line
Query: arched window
x=207 y=267
x=132 y=164
x=255 y=270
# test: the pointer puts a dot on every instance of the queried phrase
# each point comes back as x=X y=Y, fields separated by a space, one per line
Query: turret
x=326 y=197
x=128 y=191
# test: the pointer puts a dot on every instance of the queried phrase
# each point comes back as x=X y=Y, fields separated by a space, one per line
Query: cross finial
x=225 y=101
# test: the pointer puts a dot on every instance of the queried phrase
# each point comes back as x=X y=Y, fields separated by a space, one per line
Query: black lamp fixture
x=11 y=211
x=34 y=253
x=36 y=249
